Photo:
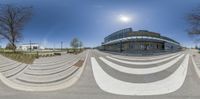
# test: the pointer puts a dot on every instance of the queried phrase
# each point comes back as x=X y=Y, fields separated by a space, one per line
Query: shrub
x=57 y=54
x=21 y=57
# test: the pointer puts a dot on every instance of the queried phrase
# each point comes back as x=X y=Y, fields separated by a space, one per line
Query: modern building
x=127 y=40
x=32 y=46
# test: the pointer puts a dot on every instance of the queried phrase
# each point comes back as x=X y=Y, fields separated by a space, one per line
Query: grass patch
x=74 y=51
x=29 y=57
x=58 y=54
x=20 y=57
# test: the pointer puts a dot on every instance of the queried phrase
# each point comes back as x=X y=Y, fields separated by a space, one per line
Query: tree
x=12 y=21
x=10 y=46
x=194 y=22
x=75 y=43
x=80 y=44
x=0 y=41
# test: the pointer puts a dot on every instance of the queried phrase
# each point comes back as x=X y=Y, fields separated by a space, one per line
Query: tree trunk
x=14 y=47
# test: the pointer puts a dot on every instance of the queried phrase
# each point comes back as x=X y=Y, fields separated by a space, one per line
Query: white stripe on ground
x=141 y=71
x=195 y=67
x=143 y=63
x=143 y=58
x=115 y=86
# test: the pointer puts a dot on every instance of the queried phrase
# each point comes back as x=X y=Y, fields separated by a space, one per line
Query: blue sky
x=91 y=20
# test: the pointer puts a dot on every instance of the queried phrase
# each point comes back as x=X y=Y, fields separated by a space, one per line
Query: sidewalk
x=196 y=57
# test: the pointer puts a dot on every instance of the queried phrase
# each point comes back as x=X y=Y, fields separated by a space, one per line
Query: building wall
x=135 y=46
x=142 y=40
x=142 y=45
x=27 y=47
x=171 y=47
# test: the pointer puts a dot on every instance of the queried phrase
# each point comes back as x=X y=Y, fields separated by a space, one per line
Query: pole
x=61 y=45
x=53 y=46
x=30 y=46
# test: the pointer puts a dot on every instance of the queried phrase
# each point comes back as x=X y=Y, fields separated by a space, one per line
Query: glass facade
x=135 y=45
x=129 y=33
x=117 y=35
x=138 y=44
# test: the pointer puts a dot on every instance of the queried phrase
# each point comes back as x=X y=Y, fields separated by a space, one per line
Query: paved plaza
x=45 y=74
x=103 y=75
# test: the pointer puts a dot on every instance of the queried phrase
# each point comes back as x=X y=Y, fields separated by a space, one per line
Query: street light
x=30 y=45
x=61 y=45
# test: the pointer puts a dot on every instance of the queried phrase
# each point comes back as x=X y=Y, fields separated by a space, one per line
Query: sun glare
x=124 y=18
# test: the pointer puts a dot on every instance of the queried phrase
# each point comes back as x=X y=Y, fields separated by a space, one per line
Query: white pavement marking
x=143 y=70
x=142 y=58
x=195 y=67
x=115 y=86
x=142 y=63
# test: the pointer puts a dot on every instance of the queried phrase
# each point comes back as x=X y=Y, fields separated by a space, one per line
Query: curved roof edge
x=128 y=32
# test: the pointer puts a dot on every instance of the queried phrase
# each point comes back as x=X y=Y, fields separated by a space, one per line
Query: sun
x=124 y=18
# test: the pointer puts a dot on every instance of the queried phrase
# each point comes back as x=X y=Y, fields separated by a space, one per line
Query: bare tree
x=80 y=44
x=75 y=43
x=194 y=22
x=12 y=20
x=9 y=46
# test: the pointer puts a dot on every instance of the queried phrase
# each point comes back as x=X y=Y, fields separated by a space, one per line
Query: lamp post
x=53 y=47
x=61 y=45
x=30 y=45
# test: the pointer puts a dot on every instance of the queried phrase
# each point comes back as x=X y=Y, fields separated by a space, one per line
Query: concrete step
x=47 y=79
x=14 y=71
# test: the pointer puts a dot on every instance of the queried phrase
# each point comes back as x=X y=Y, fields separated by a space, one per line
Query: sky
x=56 y=21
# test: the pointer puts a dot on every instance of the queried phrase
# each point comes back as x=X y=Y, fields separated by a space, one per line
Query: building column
x=120 y=46
x=104 y=47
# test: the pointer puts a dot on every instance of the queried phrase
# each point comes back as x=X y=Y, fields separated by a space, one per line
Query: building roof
x=129 y=33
